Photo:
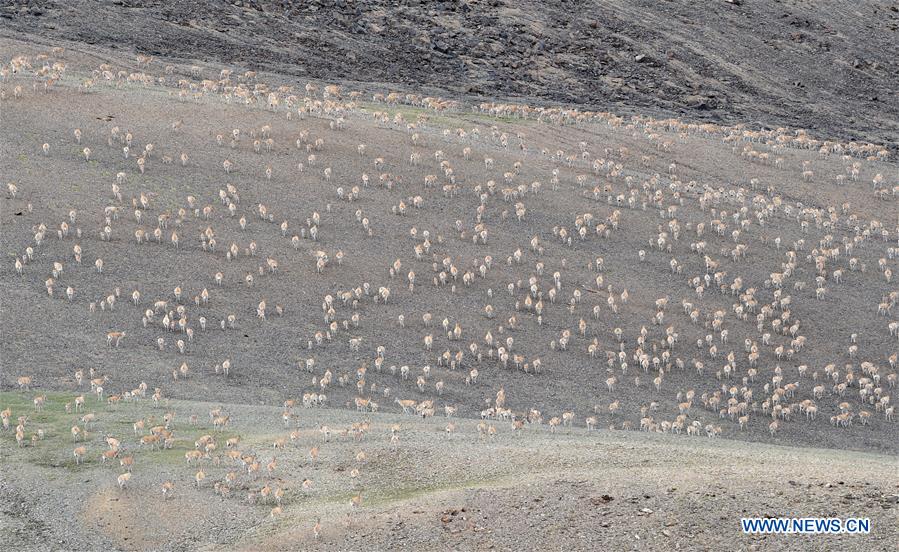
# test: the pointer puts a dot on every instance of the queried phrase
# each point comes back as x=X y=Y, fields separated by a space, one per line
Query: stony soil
x=830 y=67
x=539 y=488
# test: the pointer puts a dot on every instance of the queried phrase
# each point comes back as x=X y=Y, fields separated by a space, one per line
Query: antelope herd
x=553 y=280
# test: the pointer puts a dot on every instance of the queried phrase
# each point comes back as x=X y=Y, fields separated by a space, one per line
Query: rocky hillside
x=827 y=66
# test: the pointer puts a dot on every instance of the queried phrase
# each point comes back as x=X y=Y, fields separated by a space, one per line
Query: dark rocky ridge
x=827 y=66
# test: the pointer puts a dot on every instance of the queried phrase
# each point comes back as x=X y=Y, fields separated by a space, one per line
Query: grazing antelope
x=89 y=419
x=150 y=440
x=123 y=479
x=193 y=455
x=406 y=405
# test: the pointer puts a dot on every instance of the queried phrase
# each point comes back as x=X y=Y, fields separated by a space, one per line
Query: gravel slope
x=828 y=66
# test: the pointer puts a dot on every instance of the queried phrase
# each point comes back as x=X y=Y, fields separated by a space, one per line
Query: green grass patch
x=400 y=493
x=55 y=450
x=163 y=456
x=22 y=404
x=446 y=119
x=391 y=494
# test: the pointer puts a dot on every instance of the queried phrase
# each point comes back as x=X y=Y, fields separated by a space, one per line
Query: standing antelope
x=168 y=487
